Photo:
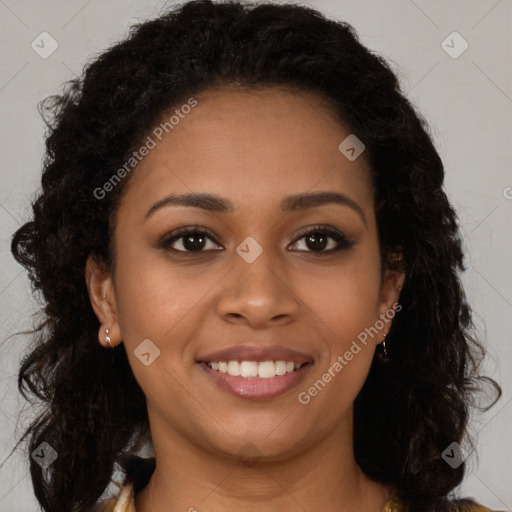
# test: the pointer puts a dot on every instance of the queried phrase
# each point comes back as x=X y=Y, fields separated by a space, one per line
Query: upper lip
x=257 y=353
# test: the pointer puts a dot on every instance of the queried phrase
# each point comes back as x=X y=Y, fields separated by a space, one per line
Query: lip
x=256 y=353
x=256 y=388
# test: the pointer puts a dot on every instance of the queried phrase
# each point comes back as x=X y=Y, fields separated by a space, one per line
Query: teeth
x=234 y=368
x=247 y=369
x=266 y=370
x=254 y=369
x=280 y=367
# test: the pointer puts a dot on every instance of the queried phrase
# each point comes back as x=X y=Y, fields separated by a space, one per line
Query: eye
x=317 y=237
x=195 y=239
x=190 y=239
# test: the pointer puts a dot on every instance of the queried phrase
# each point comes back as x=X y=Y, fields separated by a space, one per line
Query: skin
x=215 y=451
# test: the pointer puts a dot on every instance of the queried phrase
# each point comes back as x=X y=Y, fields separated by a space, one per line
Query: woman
x=249 y=266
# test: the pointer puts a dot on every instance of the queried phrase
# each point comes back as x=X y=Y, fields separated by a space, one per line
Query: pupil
x=188 y=242
x=314 y=236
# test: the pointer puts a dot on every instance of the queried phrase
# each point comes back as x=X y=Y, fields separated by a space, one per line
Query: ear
x=101 y=294
x=389 y=295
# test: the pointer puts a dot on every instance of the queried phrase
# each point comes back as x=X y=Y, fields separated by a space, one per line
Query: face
x=258 y=269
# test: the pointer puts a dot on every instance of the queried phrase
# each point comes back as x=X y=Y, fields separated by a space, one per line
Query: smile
x=255 y=380
x=255 y=369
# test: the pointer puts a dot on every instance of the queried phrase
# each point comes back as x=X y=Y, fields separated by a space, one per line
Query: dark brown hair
x=412 y=405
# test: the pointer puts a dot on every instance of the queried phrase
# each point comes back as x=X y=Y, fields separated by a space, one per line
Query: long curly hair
x=412 y=405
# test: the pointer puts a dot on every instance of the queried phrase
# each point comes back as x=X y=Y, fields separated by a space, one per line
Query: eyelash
x=342 y=241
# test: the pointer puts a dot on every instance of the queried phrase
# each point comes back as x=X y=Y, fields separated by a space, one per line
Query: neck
x=323 y=477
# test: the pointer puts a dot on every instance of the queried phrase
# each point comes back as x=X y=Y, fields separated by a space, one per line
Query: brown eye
x=189 y=240
x=317 y=239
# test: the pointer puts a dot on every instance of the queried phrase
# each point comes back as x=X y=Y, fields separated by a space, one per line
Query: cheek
x=165 y=304
x=343 y=315
x=152 y=306
x=345 y=300
x=344 y=307
x=152 y=296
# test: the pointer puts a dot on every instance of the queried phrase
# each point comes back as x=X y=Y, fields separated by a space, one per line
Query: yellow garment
x=125 y=503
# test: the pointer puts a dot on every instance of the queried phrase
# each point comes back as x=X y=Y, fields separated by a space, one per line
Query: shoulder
x=395 y=504
x=138 y=471
x=105 y=506
x=123 y=502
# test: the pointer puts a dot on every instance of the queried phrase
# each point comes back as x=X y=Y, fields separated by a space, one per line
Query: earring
x=107 y=337
x=384 y=346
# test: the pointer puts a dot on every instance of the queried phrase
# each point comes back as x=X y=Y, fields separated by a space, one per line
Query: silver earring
x=107 y=337
x=384 y=346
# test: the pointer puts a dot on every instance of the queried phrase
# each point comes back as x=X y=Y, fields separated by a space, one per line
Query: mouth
x=254 y=369
x=256 y=372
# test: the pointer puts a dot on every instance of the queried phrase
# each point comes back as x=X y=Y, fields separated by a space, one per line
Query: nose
x=258 y=294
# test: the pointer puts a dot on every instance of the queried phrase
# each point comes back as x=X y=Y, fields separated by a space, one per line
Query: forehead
x=252 y=146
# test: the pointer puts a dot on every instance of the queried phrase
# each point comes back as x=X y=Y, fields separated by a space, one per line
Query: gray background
x=467 y=100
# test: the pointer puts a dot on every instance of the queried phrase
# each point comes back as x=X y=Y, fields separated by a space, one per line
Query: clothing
x=125 y=503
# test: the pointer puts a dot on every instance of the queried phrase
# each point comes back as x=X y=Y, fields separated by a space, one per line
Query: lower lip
x=255 y=388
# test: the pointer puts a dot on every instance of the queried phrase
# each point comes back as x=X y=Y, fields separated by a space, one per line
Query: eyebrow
x=293 y=203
